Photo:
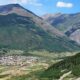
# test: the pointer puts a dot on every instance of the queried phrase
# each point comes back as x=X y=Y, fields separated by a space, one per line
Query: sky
x=41 y=7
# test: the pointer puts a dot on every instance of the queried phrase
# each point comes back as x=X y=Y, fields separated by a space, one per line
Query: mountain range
x=22 y=29
x=23 y=33
x=69 y=24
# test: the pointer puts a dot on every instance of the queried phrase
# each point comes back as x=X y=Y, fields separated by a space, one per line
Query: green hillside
x=22 y=29
x=68 y=64
x=18 y=32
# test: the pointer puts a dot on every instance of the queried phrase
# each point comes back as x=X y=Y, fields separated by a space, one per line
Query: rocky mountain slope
x=67 y=23
x=22 y=29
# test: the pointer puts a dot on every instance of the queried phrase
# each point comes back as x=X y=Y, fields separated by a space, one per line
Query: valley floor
x=18 y=71
x=30 y=67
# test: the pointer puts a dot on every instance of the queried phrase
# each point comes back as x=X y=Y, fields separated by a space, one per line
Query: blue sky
x=41 y=7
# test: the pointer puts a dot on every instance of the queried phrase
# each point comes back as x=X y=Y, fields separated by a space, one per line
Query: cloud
x=64 y=4
x=30 y=2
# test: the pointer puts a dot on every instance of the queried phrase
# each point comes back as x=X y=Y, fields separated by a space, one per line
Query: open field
x=18 y=72
x=18 y=66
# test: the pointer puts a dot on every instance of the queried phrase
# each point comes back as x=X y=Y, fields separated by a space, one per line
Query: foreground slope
x=70 y=66
x=22 y=29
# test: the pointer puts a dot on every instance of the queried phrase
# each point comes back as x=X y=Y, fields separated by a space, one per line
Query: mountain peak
x=15 y=8
x=9 y=7
x=46 y=16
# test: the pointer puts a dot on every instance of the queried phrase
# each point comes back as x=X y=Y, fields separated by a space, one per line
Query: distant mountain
x=22 y=29
x=67 y=23
x=51 y=16
x=70 y=66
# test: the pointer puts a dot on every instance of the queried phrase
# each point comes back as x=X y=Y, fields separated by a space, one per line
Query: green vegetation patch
x=68 y=64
